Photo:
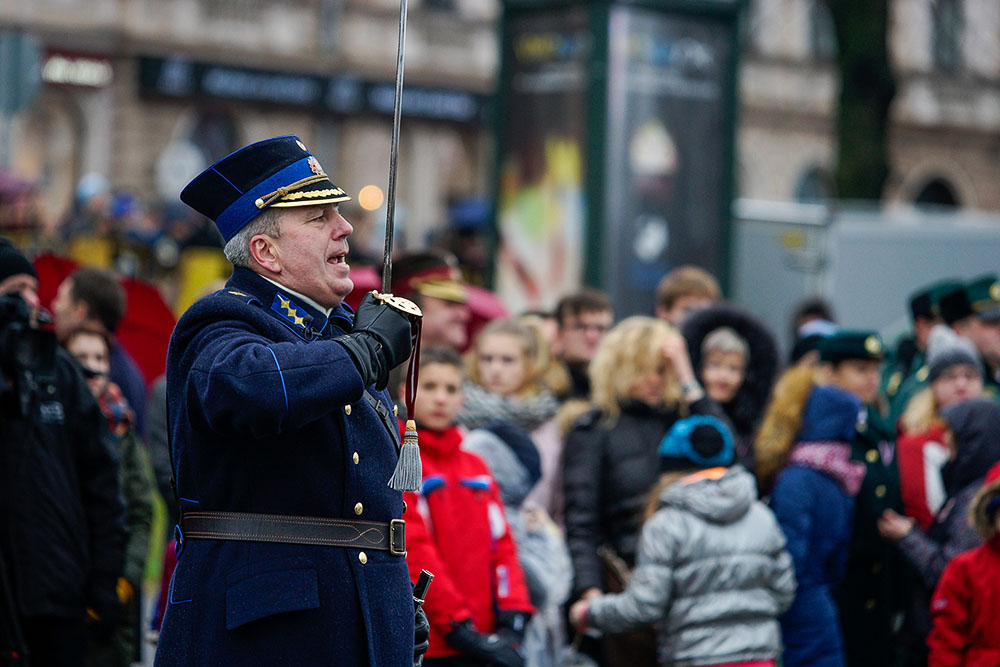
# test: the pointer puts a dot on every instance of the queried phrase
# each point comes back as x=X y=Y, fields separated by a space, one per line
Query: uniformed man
x=433 y=281
x=907 y=360
x=869 y=597
x=982 y=326
x=291 y=544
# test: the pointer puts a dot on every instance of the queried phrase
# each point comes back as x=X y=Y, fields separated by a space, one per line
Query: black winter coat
x=62 y=533
x=608 y=474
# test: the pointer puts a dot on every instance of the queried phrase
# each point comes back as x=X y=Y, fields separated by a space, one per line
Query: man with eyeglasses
x=582 y=319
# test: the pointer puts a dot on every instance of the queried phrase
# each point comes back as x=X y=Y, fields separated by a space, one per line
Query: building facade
x=148 y=92
x=944 y=140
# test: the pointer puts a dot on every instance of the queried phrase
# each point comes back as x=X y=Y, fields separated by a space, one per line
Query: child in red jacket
x=966 y=606
x=478 y=606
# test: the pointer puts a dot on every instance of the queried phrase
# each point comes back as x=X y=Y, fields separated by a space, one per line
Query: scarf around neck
x=832 y=459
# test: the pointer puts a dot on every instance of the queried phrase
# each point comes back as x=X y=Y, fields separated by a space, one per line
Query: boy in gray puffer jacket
x=711 y=568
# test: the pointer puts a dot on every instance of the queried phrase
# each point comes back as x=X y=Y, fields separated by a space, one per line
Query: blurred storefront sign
x=67 y=69
x=342 y=94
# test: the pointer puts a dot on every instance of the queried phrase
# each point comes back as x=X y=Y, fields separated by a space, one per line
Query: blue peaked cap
x=278 y=172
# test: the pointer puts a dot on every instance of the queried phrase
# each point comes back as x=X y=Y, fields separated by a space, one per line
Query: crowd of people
x=662 y=489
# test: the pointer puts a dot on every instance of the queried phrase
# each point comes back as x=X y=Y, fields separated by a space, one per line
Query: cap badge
x=995 y=291
x=315 y=166
x=872 y=345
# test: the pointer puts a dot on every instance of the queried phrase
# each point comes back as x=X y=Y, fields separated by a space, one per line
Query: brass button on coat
x=359 y=508
x=356 y=458
x=347 y=410
x=395 y=410
x=871 y=456
x=363 y=557
x=880 y=490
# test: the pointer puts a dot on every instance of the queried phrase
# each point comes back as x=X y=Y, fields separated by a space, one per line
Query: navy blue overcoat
x=264 y=420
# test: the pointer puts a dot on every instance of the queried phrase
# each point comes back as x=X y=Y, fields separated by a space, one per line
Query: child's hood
x=722 y=500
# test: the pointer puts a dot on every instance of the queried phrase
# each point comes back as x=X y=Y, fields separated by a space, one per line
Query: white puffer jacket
x=712 y=569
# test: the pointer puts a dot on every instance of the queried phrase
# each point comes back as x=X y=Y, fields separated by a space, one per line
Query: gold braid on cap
x=268 y=199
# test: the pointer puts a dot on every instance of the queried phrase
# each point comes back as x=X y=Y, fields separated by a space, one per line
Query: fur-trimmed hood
x=746 y=410
x=979 y=518
x=781 y=423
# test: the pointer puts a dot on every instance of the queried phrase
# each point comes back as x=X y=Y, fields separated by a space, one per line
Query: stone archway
x=937 y=192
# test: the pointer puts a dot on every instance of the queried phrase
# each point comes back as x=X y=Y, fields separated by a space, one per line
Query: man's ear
x=264 y=251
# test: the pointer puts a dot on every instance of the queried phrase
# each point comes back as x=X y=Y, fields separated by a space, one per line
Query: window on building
x=822 y=33
x=440 y=5
x=937 y=192
x=215 y=134
x=815 y=185
x=947 y=33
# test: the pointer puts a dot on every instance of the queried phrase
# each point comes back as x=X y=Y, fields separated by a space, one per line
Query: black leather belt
x=287 y=529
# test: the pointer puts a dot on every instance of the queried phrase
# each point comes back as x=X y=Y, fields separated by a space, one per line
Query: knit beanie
x=13 y=262
x=945 y=349
x=521 y=445
x=701 y=441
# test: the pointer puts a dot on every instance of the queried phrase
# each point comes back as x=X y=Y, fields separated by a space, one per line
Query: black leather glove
x=379 y=341
x=492 y=649
x=511 y=626
x=421 y=635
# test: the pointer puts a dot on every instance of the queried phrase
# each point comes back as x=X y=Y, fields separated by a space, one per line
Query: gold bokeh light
x=370 y=197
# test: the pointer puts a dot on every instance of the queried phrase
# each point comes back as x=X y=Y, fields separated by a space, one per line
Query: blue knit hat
x=701 y=441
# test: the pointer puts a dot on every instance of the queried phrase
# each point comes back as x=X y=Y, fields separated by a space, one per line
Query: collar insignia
x=288 y=311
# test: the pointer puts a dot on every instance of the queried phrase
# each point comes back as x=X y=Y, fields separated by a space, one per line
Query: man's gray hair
x=237 y=249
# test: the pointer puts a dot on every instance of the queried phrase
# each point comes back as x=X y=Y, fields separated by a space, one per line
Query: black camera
x=27 y=353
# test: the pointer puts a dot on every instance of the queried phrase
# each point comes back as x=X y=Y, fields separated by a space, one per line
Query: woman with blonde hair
x=507 y=368
x=642 y=382
x=955 y=374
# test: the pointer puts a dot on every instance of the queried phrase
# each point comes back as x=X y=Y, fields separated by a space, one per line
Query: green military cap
x=984 y=296
x=925 y=302
x=844 y=344
x=954 y=304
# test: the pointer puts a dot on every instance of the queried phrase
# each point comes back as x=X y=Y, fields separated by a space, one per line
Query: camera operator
x=61 y=528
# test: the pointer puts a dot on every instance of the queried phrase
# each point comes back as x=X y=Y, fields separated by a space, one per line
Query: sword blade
x=390 y=209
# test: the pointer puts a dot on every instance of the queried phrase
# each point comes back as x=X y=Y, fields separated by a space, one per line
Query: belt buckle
x=397 y=527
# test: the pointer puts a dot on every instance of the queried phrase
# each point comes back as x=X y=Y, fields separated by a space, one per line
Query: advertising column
x=540 y=199
x=669 y=150
x=616 y=135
